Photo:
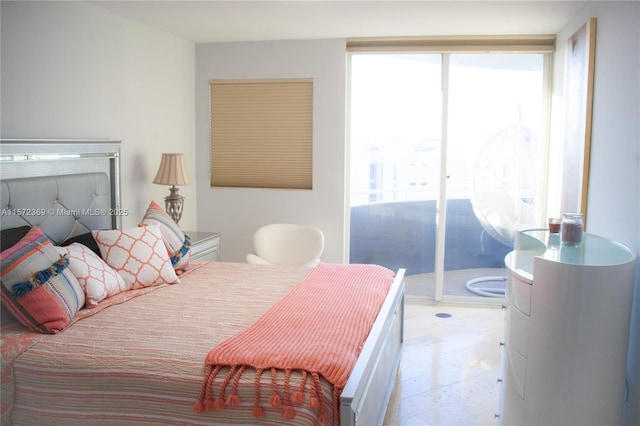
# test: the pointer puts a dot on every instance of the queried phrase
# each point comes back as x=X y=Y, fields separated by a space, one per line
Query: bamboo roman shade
x=261 y=133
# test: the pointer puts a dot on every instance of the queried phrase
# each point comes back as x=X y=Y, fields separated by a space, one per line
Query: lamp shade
x=172 y=171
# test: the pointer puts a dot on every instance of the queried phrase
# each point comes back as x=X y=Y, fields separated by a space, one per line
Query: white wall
x=237 y=213
x=71 y=70
x=614 y=178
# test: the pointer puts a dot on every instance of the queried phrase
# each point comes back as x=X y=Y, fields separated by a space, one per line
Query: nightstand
x=204 y=245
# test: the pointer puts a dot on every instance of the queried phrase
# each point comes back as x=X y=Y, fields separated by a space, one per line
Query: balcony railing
x=403 y=235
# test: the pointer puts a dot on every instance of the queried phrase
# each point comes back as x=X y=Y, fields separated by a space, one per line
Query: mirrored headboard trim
x=26 y=158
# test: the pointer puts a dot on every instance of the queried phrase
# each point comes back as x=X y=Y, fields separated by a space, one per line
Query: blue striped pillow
x=177 y=243
x=37 y=286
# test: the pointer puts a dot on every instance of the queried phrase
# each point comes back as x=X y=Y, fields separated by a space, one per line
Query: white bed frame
x=365 y=397
x=366 y=394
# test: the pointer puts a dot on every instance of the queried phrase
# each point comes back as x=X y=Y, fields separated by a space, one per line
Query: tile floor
x=449 y=367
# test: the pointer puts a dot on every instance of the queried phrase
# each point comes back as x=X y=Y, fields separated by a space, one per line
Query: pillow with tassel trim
x=178 y=244
x=37 y=286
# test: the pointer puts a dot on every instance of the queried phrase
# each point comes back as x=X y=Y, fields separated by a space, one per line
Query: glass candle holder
x=571 y=229
x=554 y=225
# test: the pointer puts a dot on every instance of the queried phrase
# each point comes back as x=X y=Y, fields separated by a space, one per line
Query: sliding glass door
x=447 y=158
x=396 y=126
x=493 y=142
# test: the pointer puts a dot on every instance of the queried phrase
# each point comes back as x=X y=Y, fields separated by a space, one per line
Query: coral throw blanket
x=319 y=329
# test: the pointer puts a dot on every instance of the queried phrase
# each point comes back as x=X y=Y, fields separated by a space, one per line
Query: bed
x=138 y=356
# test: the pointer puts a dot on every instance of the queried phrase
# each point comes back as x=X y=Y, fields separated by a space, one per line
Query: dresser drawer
x=210 y=254
x=519 y=293
x=516 y=372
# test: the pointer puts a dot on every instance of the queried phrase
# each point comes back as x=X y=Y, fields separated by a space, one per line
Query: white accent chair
x=287 y=244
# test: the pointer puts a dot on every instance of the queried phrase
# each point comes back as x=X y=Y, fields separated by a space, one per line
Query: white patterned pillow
x=137 y=254
x=97 y=278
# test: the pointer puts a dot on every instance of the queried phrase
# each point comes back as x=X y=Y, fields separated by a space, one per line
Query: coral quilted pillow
x=137 y=254
x=98 y=280
x=178 y=244
x=37 y=286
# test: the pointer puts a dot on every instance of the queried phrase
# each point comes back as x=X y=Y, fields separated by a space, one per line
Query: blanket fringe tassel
x=208 y=402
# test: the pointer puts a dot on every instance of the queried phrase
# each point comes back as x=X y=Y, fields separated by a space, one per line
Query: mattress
x=138 y=357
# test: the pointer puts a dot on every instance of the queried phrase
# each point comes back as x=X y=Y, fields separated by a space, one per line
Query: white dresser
x=566 y=331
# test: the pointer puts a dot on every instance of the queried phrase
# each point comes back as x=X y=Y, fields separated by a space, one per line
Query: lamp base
x=173 y=204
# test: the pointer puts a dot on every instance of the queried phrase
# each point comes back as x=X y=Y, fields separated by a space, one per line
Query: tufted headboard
x=65 y=187
x=61 y=206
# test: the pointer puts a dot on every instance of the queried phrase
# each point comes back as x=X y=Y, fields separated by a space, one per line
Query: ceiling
x=207 y=21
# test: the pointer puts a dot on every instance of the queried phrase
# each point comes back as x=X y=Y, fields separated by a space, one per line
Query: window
x=261 y=133
x=457 y=136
